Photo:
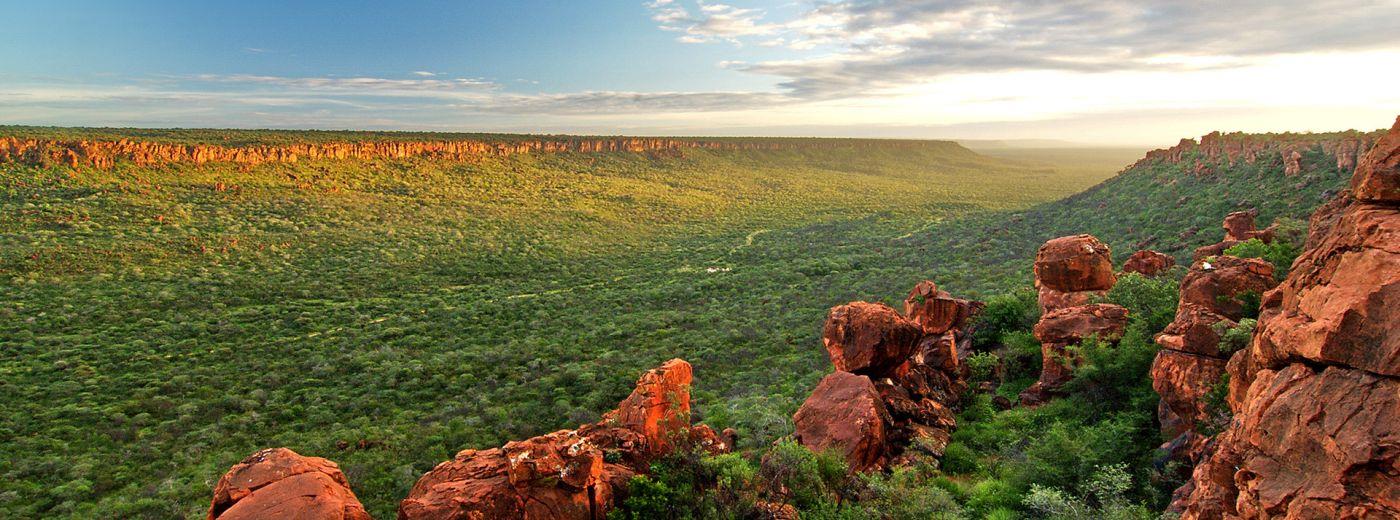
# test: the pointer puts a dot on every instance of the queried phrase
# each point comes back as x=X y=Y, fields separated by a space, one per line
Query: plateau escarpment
x=105 y=154
x=1215 y=149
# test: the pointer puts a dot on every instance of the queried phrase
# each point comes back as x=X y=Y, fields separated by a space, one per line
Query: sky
x=1143 y=72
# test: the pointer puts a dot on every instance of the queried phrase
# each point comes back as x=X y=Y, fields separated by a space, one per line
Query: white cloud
x=710 y=21
x=851 y=47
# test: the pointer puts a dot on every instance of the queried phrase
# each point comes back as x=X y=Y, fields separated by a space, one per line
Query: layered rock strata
x=1070 y=274
x=1316 y=395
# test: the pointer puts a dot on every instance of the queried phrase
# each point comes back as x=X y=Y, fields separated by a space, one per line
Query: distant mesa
x=102 y=154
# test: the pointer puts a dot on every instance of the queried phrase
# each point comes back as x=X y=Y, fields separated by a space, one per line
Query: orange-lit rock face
x=1377 y=177
x=279 y=483
x=1074 y=324
x=660 y=404
x=1184 y=381
x=868 y=338
x=1074 y=263
x=845 y=413
x=1316 y=395
x=1148 y=263
x=568 y=474
x=1226 y=284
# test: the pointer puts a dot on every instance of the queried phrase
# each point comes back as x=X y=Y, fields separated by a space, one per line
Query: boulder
x=1239 y=225
x=937 y=312
x=1062 y=328
x=845 y=413
x=1148 y=263
x=1074 y=324
x=869 y=338
x=1074 y=263
x=1051 y=300
x=279 y=483
x=1223 y=284
x=1196 y=330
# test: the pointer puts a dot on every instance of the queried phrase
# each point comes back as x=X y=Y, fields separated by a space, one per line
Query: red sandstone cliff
x=1316 y=395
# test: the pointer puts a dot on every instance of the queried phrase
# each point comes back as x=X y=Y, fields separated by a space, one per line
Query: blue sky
x=1109 y=71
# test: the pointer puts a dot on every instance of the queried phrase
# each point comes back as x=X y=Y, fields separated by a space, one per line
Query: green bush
x=1232 y=339
x=1005 y=313
x=981 y=366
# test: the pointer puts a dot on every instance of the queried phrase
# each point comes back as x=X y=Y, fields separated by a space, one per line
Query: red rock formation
x=1215 y=149
x=1377 y=178
x=845 y=413
x=1224 y=283
x=1071 y=272
x=868 y=338
x=279 y=483
x=1191 y=362
x=1068 y=326
x=936 y=311
x=1148 y=263
x=1074 y=263
x=909 y=367
x=1316 y=395
x=568 y=474
x=659 y=406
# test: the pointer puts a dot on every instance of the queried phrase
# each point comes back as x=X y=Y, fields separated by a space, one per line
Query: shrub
x=959 y=459
x=906 y=494
x=1232 y=339
x=1005 y=313
x=981 y=366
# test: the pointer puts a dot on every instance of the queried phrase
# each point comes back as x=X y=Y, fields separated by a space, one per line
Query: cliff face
x=1316 y=395
x=1216 y=148
x=105 y=154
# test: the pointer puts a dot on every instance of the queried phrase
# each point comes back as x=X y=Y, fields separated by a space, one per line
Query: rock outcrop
x=1239 y=227
x=1148 y=263
x=868 y=338
x=1215 y=294
x=1316 y=395
x=568 y=474
x=1070 y=273
x=846 y=414
x=896 y=382
x=279 y=483
x=936 y=311
x=1288 y=150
